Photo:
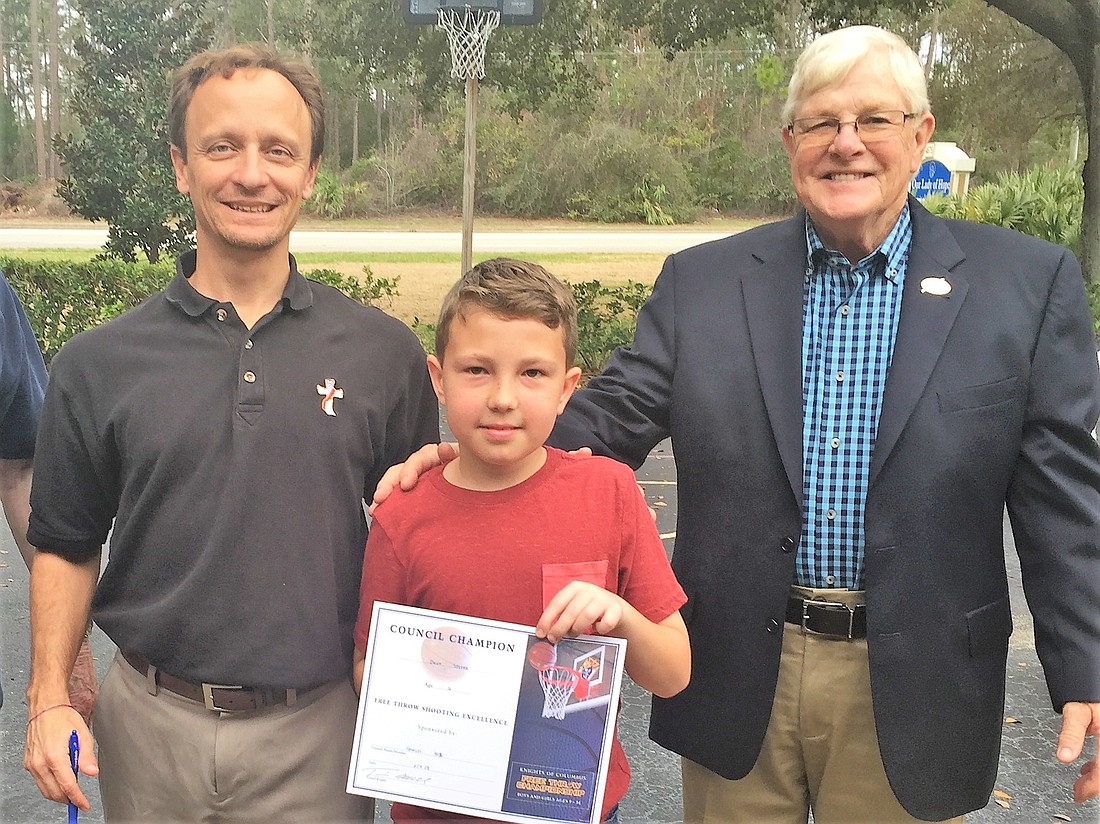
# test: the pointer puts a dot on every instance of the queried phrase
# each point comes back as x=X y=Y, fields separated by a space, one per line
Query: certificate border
x=365 y=739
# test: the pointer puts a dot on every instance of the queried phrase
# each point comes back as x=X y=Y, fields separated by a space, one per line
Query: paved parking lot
x=1035 y=785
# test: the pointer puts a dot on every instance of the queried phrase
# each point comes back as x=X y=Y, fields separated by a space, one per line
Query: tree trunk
x=54 y=50
x=1090 y=214
x=379 y=99
x=225 y=35
x=1072 y=26
x=933 y=44
x=3 y=51
x=355 y=131
x=307 y=40
x=40 y=156
x=333 y=136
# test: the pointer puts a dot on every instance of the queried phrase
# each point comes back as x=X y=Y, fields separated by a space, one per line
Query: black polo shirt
x=233 y=464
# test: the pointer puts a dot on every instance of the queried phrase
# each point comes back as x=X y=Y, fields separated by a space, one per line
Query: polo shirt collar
x=892 y=253
x=297 y=294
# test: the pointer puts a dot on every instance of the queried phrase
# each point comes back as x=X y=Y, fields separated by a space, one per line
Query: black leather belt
x=842 y=622
x=216 y=697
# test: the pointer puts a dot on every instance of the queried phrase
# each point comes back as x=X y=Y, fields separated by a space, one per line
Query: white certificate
x=483 y=718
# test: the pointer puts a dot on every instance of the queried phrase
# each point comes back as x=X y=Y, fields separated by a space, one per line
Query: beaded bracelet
x=54 y=707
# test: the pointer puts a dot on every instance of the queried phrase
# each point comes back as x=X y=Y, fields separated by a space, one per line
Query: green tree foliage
x=9 y=133
x=1074 y=27
x=117 y=166
x=985 y=59
x=677 y=25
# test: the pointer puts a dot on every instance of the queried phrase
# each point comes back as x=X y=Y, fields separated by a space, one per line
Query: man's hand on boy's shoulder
x=406 y=474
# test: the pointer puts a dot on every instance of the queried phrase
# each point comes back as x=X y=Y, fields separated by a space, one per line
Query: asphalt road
x=648 y=241
x=1036 y=786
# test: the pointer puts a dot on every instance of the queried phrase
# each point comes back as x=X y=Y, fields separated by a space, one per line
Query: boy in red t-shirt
x=516 y=531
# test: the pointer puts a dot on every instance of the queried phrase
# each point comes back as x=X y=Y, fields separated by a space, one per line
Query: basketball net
x=468 y=31
x=558 y=684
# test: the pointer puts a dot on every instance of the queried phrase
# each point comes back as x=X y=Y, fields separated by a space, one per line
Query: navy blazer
x=990 y=400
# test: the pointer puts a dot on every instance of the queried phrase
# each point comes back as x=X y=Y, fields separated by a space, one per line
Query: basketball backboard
x=512 y=12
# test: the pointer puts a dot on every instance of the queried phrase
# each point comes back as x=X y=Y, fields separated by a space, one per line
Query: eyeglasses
x=871 y=127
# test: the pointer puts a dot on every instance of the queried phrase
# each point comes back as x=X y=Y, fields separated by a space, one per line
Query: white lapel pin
x=935 y=286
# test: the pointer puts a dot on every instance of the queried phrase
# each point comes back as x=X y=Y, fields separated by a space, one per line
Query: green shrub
x=1042 y=202
x=606 y=316
x=63 y=298
x=610 y=174
x=327 y=200
x=744 y=177
x=367 y=289
x=425 y=331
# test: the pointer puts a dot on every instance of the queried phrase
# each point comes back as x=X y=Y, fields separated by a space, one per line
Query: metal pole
x=469 y=164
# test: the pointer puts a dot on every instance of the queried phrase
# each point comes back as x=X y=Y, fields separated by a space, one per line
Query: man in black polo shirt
x=228 y=427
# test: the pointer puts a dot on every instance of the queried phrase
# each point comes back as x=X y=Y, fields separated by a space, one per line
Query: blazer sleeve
x=1054 y=496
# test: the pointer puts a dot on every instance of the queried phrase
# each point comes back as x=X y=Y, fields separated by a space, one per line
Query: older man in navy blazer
x=854 y=397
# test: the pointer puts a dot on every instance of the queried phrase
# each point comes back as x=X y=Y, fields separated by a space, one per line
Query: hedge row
x=63 y=298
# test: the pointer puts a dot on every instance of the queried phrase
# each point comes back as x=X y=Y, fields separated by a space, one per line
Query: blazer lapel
x=926 y=319
x=773 y=304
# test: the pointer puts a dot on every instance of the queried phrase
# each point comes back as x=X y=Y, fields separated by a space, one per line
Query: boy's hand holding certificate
x=483 y=718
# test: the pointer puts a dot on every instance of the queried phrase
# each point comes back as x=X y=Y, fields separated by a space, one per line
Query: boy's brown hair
x=224 y=62
x=511 y=289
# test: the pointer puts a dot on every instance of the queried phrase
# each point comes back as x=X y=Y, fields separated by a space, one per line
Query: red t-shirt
x=503 y=555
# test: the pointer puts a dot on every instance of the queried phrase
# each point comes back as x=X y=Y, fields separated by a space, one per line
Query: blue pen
x=74 y=758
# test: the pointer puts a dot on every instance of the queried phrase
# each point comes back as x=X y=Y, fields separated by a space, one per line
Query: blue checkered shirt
x=849 y=324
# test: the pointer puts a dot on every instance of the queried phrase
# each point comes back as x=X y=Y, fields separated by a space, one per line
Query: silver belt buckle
x=208 y=695
x=830 y=605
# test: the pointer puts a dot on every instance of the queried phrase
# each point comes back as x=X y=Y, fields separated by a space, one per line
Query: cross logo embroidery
x=328 y=394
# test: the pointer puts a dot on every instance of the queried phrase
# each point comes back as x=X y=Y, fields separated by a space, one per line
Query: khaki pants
x=165 y=758
x=820 y=751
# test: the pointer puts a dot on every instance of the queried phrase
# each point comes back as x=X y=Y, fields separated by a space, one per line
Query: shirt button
x=250 y=377
x=835 y=443
x=221 y=313
x=839 y=376
x=830 y=514
x=830 y=579
x=844 y=310
x=248 y=344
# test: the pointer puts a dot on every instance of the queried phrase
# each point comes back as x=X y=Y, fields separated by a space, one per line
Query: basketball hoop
x=558 y=684
x=468 y=29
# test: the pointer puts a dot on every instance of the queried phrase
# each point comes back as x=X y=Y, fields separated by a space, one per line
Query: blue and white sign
x=932 y=178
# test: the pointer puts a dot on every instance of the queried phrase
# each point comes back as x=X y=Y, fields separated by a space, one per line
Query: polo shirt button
x=248 y=344
x=249 y=377
x=772 y=625
x=222 y=314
